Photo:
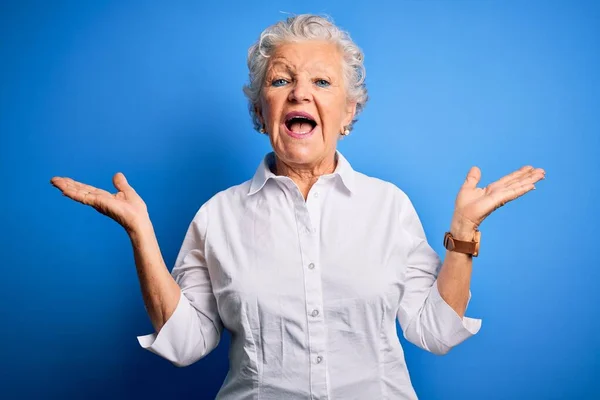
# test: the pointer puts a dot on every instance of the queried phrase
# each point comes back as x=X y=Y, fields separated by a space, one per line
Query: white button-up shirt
x=309 y=290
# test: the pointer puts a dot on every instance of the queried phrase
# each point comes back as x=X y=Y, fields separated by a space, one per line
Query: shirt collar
x=263 y=173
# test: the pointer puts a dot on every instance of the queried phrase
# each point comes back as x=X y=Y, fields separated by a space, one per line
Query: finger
x=121 y=183
x=502 y=197
x=64 y=183
x=505 y=180
x=473 y=178
x=81 y=195
x=523 y=177
x=533 y=177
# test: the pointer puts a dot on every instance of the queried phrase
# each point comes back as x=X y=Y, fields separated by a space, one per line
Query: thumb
x=121 y=184
x=473 y=178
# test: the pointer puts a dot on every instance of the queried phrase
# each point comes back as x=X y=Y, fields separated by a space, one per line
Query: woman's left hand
x=474 y=204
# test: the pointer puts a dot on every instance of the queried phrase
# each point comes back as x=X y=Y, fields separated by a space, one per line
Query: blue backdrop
x=153 y=89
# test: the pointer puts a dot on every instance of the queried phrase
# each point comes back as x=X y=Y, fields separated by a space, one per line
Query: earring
x=262 y=130
x=345 y=131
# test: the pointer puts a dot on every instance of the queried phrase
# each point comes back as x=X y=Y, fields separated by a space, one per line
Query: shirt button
x=314 y=313
x=316 y=194
x=311 y=266
x=319 y=359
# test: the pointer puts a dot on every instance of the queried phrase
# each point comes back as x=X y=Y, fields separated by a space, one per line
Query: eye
x=322 y=83
x=279 y=82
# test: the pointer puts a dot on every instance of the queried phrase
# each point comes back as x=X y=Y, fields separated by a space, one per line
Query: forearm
x=159 y=290
x=454 y=278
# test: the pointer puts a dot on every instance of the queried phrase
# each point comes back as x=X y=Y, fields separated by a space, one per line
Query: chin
x=299 y=151
x=302 y=155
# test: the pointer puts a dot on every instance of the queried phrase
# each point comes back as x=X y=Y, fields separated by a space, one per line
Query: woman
x=309 y=263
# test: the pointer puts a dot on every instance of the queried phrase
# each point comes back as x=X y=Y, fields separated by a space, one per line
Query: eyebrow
x=320 y=68
x=278 y=63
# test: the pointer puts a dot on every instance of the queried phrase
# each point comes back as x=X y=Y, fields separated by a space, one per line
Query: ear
x=350 y=112
x=258 y=113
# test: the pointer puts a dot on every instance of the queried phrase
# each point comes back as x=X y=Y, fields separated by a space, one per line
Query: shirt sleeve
x=425 y=318
x=194 y=329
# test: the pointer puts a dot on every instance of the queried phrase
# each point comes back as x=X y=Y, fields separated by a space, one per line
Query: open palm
x=474 y=204
x=126 y=206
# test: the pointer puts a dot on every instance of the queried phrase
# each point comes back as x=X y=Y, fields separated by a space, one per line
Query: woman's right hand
x=126 y=206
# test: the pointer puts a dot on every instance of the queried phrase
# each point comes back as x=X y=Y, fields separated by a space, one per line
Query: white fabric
x=309 y=290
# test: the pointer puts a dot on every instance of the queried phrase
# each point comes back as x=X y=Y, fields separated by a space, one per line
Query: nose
x=301 y=91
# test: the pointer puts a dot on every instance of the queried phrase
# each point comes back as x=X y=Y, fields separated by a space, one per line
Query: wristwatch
x=462 y=246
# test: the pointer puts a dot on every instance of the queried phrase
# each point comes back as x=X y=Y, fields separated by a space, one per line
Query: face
x=303 y=102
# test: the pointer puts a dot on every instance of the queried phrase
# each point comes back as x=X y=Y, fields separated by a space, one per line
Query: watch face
x=477 y=240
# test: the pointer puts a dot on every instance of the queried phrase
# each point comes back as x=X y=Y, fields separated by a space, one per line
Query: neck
x=304 y=175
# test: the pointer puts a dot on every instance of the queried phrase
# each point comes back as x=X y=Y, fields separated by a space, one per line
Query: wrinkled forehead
x=310 y=56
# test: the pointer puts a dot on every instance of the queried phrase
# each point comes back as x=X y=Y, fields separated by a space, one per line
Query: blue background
x=153 y=89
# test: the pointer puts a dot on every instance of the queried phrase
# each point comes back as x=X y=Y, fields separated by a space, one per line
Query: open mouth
x=299 y=122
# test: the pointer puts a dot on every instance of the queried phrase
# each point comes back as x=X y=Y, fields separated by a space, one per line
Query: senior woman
x=309 y=263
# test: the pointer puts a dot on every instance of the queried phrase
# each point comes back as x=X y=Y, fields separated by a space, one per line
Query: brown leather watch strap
x=462 y=246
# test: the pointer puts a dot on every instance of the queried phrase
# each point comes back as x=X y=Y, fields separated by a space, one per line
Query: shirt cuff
x=165 y=341
x=458 y=329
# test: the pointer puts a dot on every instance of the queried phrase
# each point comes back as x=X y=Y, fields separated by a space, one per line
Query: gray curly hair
x=305 y=27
